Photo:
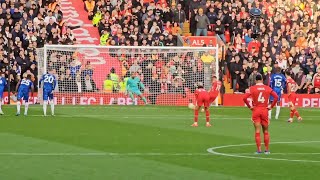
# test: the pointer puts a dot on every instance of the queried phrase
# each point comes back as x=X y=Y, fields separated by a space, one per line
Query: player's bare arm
x=245 y=99
x=275 y=96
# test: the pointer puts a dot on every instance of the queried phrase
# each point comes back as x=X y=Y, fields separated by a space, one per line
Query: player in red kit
x=260 y=94
x=215 y=89
x=316 y=79
x=292 y=88
x=202 y=99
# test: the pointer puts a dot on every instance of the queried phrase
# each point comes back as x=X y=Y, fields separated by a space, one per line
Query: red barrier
x=303 y=100
x=119 y=99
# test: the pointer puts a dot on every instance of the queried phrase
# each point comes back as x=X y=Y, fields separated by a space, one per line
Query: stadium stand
x=286 y=34
x=25 y=26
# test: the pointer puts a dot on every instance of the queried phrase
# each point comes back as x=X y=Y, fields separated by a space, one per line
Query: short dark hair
x=288 y=72
x=278 y=70
x=259 y=77
x=200 y=86
x=29 y=76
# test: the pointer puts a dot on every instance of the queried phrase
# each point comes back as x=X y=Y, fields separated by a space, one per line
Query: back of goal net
x=98 y=75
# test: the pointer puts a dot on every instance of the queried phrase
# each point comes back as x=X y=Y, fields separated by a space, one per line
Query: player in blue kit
x=3 y=83
x=277 y=83
x=132 y=88
x=23 y=88
x=48 y=82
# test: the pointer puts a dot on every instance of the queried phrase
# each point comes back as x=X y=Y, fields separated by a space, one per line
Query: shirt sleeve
x=196 y=93
x=54 y=82
x=41 y=79
x=141 y=85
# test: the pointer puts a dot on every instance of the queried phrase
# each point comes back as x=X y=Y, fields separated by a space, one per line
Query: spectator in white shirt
x=48 y=17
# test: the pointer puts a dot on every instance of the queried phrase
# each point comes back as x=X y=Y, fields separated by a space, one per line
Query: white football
x=14 y=98
x=191 y=106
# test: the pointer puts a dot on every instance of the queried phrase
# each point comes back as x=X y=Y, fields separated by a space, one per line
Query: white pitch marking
x=288 y=153
x=128 y=117
x=102 y=154
x=238 y=155
x=129 y=154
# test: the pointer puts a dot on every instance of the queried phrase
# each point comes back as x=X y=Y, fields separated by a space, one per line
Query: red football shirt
x=260 y=94
x=200 y=93
x=216 y=86
x=291 y=85
x=316 y=80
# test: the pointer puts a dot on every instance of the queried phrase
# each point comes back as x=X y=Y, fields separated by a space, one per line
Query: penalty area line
x=212 y=150
x=130 y=154
x=101 y=154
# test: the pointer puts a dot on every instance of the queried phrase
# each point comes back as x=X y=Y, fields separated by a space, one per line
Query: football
x=191 y=106
x=14 y=98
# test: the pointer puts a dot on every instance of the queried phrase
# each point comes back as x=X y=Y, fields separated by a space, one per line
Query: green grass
x=151 y=143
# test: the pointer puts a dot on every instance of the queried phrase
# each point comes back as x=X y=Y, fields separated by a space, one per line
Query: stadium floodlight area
x=97 y=75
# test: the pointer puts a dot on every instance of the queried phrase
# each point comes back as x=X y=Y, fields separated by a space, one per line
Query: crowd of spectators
x=133 y=22
x=72 y=73
x=24 y=26
x=285 y=35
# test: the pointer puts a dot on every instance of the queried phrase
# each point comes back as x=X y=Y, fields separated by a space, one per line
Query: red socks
x=291 y=113
x=258 y=141
x=294 y=113
x=207 y=115
x=266 y=140
x=196 y=114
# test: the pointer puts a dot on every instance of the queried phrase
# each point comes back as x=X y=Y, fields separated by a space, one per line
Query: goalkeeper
x=132 y=88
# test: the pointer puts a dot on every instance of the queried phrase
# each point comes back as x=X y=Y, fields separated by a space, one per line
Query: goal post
x=97 y=75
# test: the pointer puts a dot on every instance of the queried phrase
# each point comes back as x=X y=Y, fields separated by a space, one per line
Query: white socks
x=45 y=107
x=52 y=107
x=1 y=107
x=269 y=114
x=26 y=105
x=45 y=103
x=277 y=111
x=18 y=107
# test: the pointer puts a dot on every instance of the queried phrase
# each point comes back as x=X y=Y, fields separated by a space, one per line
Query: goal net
x=97 y=75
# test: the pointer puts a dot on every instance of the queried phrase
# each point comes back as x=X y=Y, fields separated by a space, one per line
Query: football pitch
x=153 y=143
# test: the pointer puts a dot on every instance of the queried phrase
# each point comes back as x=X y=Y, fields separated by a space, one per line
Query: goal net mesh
x=97 y=75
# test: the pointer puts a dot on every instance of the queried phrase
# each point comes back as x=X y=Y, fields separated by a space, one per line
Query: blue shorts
x=23 y=95
x=47 y=95
x=1 y=93
x=279 y=96
x=135 y=91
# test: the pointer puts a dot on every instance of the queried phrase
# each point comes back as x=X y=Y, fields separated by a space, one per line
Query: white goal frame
x=43 y=57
